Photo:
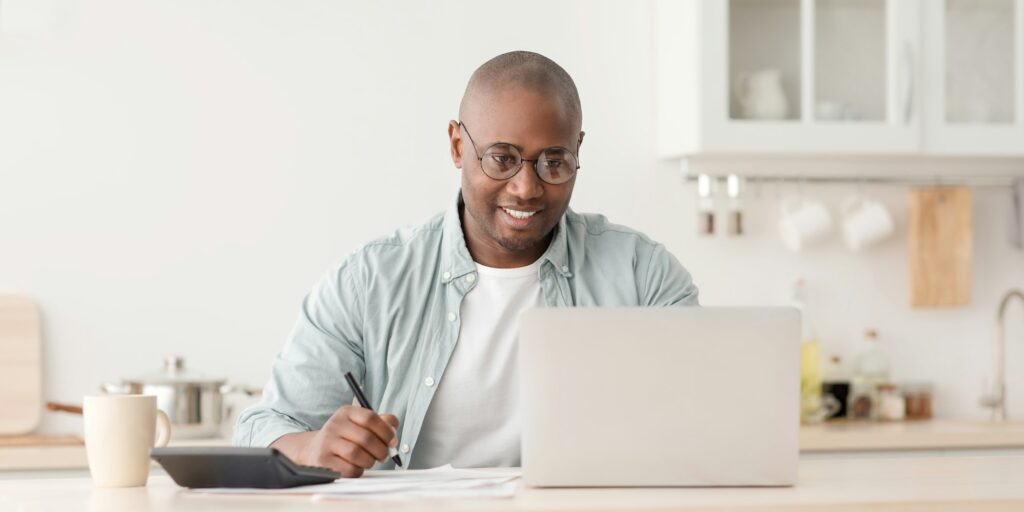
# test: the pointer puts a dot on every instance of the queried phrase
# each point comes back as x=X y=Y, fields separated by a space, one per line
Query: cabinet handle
x=908 y=81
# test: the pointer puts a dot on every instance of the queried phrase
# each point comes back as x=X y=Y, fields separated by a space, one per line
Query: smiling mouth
x=518 y=214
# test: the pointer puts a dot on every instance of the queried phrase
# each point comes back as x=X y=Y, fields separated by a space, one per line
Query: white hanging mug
x=802 y=222
x=866 y=222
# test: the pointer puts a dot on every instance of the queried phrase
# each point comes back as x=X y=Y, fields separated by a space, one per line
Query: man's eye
x=554 y=164
x=502 y=159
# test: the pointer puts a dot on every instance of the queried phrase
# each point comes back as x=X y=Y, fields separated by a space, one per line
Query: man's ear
x=455 y=143
x=579 y=141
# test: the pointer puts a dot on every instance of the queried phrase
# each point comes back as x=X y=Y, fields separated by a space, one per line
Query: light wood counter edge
x=947 y=506
x=930 y=435
x=18 y=458
x=70 y=455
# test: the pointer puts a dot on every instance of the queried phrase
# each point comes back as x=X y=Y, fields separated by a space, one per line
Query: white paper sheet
x=441 y=482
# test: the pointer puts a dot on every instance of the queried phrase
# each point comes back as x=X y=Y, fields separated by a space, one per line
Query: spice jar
x=705 y=205
x=860 y=403
x=734 y=219
x=918 y=398
x=891 y=406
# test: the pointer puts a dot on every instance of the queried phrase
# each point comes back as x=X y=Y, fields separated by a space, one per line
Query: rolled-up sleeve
x=307 y=380
x=665 y=282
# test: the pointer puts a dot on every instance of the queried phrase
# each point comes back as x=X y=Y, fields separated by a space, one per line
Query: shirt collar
x=455 y=258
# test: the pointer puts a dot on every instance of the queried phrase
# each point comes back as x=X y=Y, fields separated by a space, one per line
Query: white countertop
x=918 y=482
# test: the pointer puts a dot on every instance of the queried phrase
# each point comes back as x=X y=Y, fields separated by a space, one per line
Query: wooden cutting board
x=939 y=246
x=21 y=378
x=31 y=452
x=40 y=440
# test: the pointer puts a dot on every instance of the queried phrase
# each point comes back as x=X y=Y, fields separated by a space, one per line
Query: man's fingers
x=371 y=421
x=365 y=439
x=347 y=469
x=391 y=419
x=352 y=451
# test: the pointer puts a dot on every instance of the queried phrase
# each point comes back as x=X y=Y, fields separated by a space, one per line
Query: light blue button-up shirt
x=389 y=313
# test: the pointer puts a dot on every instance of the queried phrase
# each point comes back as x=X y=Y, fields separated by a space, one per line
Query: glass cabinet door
x=976 y=73
x=846 y=46
x=850 y=60
x=764 y=59
x=980 y=71
x=821 y=75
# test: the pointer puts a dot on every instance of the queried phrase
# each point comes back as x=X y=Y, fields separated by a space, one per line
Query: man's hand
x=352 y=440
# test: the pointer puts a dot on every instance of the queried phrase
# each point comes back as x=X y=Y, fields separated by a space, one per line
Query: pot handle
x=227 y=389
x=119 y=388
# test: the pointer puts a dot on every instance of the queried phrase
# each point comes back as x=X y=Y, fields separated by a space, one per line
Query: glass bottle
x=836 y=382
x=872 y=370
x=810 y=359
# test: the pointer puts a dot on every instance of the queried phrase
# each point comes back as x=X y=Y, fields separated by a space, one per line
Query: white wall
x=174 y=176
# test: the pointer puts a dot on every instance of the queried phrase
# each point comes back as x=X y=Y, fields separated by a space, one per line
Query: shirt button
x=429 y=381
x=451 y=317
x=565 y=268
x=405 y=448
x=447 y=275
x=470 y=278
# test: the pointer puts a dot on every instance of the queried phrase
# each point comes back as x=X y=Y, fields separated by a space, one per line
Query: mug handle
x=852 y=203
x=165 y=429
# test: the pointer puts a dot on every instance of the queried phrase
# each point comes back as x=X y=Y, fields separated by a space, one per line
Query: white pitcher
x=760 y=95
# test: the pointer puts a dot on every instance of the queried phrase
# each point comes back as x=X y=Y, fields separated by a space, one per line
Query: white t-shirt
x=473 y=419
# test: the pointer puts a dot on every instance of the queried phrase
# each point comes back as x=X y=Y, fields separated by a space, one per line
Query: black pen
x=365 y=404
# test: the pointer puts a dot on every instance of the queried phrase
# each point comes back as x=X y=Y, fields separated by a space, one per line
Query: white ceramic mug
x=802 y=222
x=865 y=222
x=119 y=431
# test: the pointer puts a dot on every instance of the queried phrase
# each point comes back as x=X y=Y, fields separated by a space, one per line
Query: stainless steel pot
x=194 y=404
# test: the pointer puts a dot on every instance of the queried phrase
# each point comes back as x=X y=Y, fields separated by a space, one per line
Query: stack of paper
x=442 y=482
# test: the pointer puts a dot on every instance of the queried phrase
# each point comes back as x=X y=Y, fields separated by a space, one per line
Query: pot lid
x=174 y=372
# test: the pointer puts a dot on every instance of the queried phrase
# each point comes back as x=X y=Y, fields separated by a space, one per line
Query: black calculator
x=198 y=467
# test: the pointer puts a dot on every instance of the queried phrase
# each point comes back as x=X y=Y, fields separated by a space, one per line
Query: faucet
x=996 y=400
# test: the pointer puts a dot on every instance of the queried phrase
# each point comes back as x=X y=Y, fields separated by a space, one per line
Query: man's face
x=532 y=122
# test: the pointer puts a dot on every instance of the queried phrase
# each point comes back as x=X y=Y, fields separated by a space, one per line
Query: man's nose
x=526 y=184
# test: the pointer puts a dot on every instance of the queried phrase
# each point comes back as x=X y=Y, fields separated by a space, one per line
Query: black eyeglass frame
x=522 y=161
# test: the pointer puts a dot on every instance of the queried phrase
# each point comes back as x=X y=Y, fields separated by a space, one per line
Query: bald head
x=522 y=70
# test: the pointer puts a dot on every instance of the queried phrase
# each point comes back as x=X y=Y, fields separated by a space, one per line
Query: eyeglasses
x=502 y=161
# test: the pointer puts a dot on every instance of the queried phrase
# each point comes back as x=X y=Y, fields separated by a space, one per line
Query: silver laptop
x=687 y=396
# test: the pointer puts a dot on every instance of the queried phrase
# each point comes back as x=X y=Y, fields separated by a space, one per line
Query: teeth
x=518 y=214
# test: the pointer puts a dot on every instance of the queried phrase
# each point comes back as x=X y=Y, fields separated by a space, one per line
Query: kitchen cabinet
x=872 y=77
x=974 y=104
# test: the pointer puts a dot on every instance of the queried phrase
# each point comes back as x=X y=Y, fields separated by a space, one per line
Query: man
x=426 y=319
